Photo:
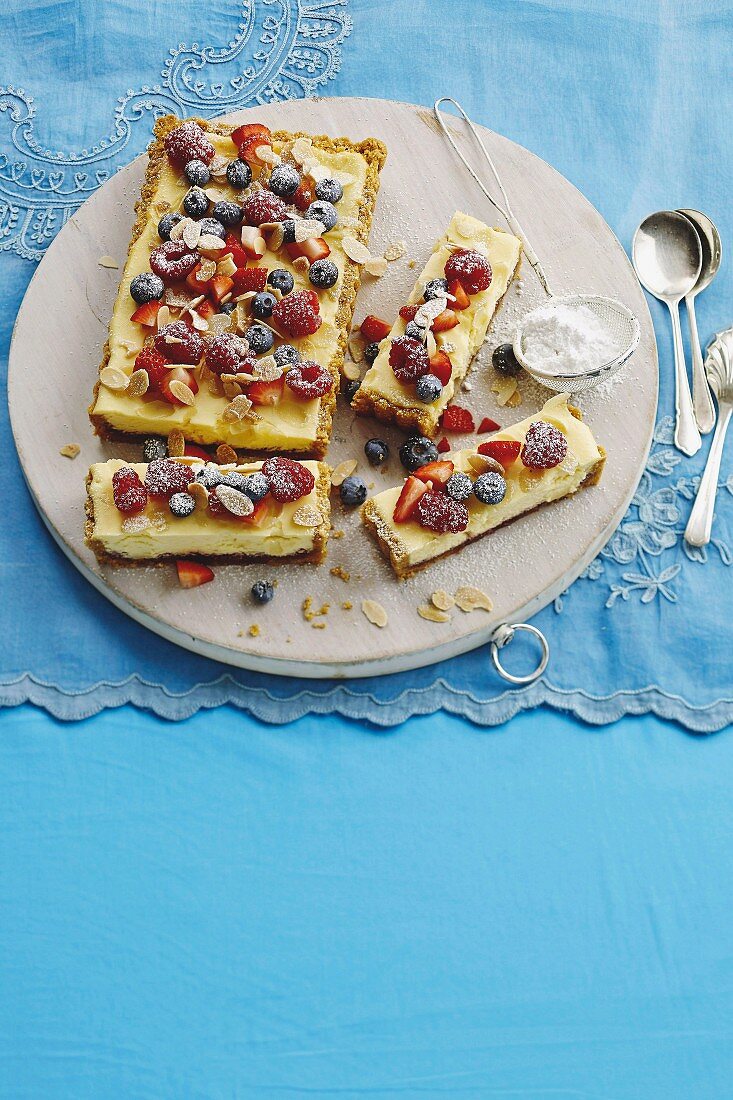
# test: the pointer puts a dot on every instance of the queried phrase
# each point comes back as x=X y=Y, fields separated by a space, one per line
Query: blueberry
x=417 y=451
x=505 y=361
x=262 y=591
x=286 y=355
x=260 y=339
x=209 y=476
x=228 y=307
x=428 y=388
x=415 y=331
x=376 y=451
x=353 y=491
x=166 y=223
x=351 y=390
x=212 y=226
x=239 y=174
x=146 y=287
x=228 y=213
x=154 y=449
x=197 y=173
x=323 y=212
x=234 y=480
x=280 y=279
x=262 y=305
x=489 y=488
x=371 y=351
x=323 y=274
x=256 y=486
x=284 y=180
x=288 y=231
x=459 y=486
x=181 y=504
x=435 y=288
x=195 y=203
x=329 y=190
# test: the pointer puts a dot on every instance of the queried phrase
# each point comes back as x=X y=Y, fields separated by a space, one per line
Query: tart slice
x=237 y=286
x=141 y=512
x=425 y=356
x=466 y=494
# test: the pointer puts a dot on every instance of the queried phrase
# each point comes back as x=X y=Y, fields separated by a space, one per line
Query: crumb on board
x=339 y=571
x=347 y=605
x=337 y=534
x=70 y=450
x=254 y=631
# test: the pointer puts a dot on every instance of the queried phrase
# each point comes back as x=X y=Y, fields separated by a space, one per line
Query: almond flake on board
x=176 y=444
x=183 y=392
x=238 y=408
x=434 y=614
x=114 y=378
x=235 y=502
x=307 y=516
x=442 y=600
x=504 y=388
x=226 y=454
x=469 y=598
x=514 y=400
x=108 y=261
x=355 y=250
x=374 y=612
x=375 y=266
x=344 y=469
x=395 y=251
x=70 y=450
x=138 y=384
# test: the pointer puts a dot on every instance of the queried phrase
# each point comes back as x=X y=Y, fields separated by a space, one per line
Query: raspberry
x=188 y=142
x=439 y=512
x=297 y=314
x=408 y=359
x=128 y=491
x=288 y=480
x=471 y=268
x=153 y=363
x=456 y=419
x=263 y=206
x=225 y=353
x=184 y=344
x=173 y=261
x=165 y=477
x=544 y=446
x=250 y=278
x=309 y=380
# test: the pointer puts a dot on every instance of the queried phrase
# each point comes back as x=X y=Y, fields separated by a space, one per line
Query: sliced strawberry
x=462 y=301
x=205 y=309
x=266 y=393
x=456 y=419
x=198 y=286
x=178 y=374
x=441 y=367
x=235 y=248
x=194 y=451
x=250 y=278
x=505 y=451
x=155 y=364
x=412 y=492
x=488 y=425
x=192 y=573
x=254 y=244
x=407 y=313
x=250 y=130
x=264 y=509
x=443 y=446
x=374 y=328
x=315 y=248
x=438 y=472
x=305 y=194
x=444 y=321
x=219 y=287
x=146 y=314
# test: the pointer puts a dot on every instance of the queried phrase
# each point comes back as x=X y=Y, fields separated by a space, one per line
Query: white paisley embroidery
x=282 y=49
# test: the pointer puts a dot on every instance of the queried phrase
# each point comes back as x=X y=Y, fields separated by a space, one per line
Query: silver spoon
x=702 y=401
x=667 y=258
x=719 y=367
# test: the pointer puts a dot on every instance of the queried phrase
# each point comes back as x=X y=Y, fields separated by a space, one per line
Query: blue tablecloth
x=221 y=908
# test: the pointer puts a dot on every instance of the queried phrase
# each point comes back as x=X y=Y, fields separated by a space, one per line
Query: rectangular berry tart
x=175 y=508
x=425 y=355
x=464 y=495
x=237 y=295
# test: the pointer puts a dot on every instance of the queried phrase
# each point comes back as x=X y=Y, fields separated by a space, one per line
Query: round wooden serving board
x=61 y=329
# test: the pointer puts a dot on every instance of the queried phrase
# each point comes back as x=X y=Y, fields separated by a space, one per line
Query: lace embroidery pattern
x=282 y=49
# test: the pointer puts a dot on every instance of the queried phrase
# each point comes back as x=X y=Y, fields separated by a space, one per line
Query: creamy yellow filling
x=525 y=490
x=290 y=425
x=200 y=533
x=503 y=252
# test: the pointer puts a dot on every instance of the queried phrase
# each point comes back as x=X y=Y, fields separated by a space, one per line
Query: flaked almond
x=199 y=493
x=218 y=167
x=374 y=612
x=514 y=400
x=355 y=250
x=351 y=371
x=226 y=454
x=429 y=310
x=344 y=469
x=238 y=408
x=308 y=228
x=200 y=323
x=138 y=384
x=442 y=600
x=210 y=246
x=266 y=369
x=108 y=261
x=114 y=378
x=221 y=322
x=375 y=266
x=430 y=345
x=176 y=299
x=504 y=388
x=267 y=155
x=482 y=464
x=176 y=233
x=469 y=598
x=356 y=347
x=235 y=502
x=395 y=251
x=207 y=269
x=274 y=233
x=226 y=266
x=182 y=392
x=70 y=450
x=230 y=385
x=301 y=264
x=302 y=149
x=164 y=317
x=307 y=516
x=213 y=194
x=434 y=614
x=176 y=443
x=192 y=235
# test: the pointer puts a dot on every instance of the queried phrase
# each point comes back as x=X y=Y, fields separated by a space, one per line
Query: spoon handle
x=686 y=436
x=702 y=399
x=700 y=523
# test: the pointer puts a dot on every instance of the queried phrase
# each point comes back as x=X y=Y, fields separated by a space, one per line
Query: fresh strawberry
x=305 y=194
x=439 y=512
x=412 y=492
x=456 y=419
x=254 y=244
x=250 y=130
x=129 y=493
x=488 y=425
x=177 y=374
x=219 y=287
x=505 y=451
x=462 y=301
x=146 y=314
x=438 y=472
x=248 y=150
x=443 y=446
x=234 y=246
x=198 y=286
x=471 y=268
x=289 y=480
x=315 y=248
x=264 y=509
x=374 y=329
x=266 y=393
x=444 y=321
x=441 y=367
x=194 y=451
x=296 y=315
x=250 y=278
x=407 y=313
x=205 y=309
x=192 y=573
